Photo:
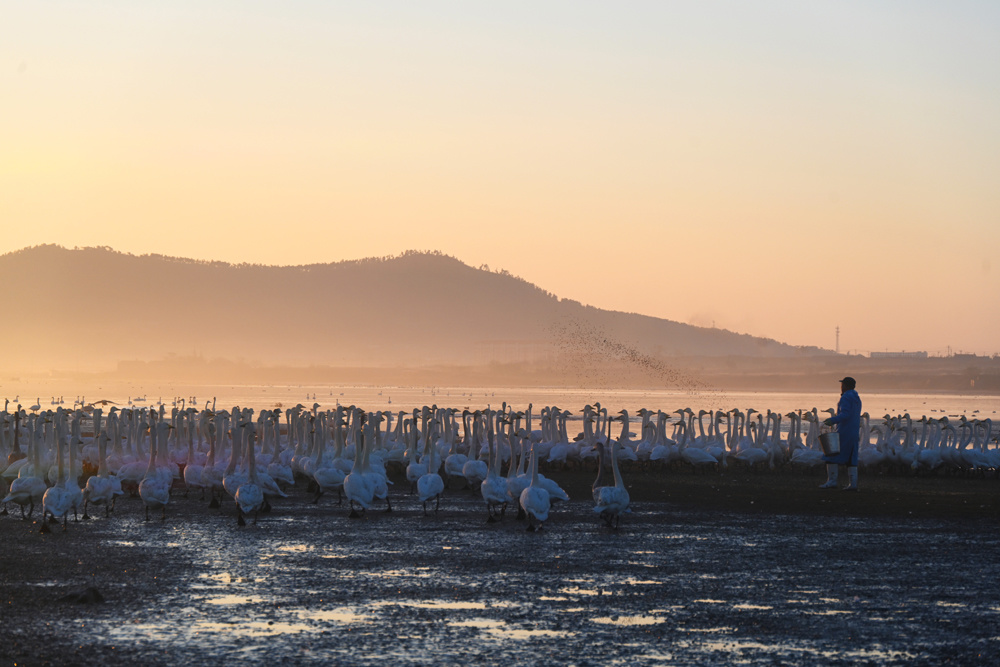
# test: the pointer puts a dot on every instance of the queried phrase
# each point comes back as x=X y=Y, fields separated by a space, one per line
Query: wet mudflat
x=678 y=583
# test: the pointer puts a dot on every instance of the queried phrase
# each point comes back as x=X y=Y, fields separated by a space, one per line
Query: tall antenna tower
x=838 y=339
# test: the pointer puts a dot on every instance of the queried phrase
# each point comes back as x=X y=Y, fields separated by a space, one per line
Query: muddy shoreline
x=760 y=567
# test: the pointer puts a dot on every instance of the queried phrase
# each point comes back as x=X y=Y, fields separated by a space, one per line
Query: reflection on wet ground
x=670 y=586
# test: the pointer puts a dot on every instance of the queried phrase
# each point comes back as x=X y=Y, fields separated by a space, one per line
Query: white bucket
x=830 y=442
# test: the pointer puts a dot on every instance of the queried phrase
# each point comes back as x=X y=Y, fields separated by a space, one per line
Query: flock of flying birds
x=67 y=461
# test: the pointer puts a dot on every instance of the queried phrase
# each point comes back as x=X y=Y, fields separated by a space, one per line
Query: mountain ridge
x=87 y=308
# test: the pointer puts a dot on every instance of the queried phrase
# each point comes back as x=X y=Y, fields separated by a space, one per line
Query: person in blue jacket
x=848 y=423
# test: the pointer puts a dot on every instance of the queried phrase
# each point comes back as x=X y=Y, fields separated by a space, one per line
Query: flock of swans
x=254 y=458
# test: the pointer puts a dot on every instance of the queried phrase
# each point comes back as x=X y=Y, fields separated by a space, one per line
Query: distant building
x=897 y=355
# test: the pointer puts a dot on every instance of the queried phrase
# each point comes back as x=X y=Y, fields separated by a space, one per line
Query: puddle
x=148 y=631
x=752 y=606
x=401 y=573
x=742 y=648
x=233 y=599
x=831 y=612
x=710 y=630
x=628 y=620
x=337 y=615
x=432 y=604
x=503 y=630
x=250 y=628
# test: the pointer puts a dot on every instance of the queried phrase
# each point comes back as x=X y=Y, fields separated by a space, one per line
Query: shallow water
x=407 y=398
x=670 y=586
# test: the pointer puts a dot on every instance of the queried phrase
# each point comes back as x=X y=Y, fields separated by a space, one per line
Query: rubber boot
x=852 y=475
x=831 y=476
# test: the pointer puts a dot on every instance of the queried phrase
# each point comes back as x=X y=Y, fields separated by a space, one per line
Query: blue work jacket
x=848 y=418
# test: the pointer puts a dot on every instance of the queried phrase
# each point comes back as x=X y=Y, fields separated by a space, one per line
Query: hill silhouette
x=90 y=308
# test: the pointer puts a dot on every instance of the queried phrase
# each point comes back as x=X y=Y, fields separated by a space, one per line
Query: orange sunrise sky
x=773 y=168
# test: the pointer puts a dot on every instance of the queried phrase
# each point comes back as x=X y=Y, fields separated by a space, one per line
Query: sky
x=774 y=168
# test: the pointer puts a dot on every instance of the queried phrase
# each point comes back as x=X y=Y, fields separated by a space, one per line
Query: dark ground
x=762 y=568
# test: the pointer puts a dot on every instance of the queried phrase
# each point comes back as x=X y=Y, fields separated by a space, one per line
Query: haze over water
x=397 y=398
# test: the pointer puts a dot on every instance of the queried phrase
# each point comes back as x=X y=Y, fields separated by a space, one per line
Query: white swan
x=57 y=500
x=375 y=470
x=193 y=472
x=695 y=456
x=359 y=487
x=416 y=468
x=29 y=487
x=328 y=476
x=613 y=501
x=454 y=463
x=154 y=489
x=234 y=477
x=249 y=496
x=100 y=489
x=535 y=499
x=494 y=487
x=430 y=486
x=212 y=473
x=476 y=470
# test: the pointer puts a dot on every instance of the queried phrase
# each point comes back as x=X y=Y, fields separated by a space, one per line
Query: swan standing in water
x=359 y=487
x=613 y=501
x=415 y=468
x=376 y=471
x=475 y=470
x=154 y=489
x=29 y=487
x=193 y=471
x=328 y=476
x=494 y=487
x=249 y=496
x=233 y=478
x=535 y=499
x=57 y=500
x=100 y=488
x=431 y=485
x=454 y=463
x=517 y=479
